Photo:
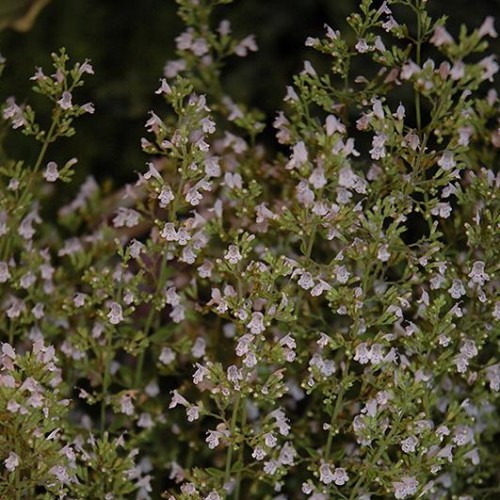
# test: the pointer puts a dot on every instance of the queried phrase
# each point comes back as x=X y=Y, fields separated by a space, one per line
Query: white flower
x=126 y=405
x=172 y=297
x=490 y=67
x=477 y=274
x=304 y=194
x=213 y=495
x=317 y=178
x=319 y=288
x=333 y=124
x=136 y=248
x=409 y=444
x=198 y=349
x=61 y=473
x=193 y=413
x=378 y=146
x=11 y=462
x=362 y=354
x=234 y=375
x=65 y=101
x=409 y=69
x=14 y=112
x=233 y=180
x=383 y=253
x=165 y=196
x=199 y=47
x=441 y=37
x=378 y=109
x=362 y=46
x=493 y=377
x=177 y=399
x=256 y=324
x=270 y=467
x=287 y=454
x=213 y=438
x=299 y=156
x=233 y=254
x=178 y=313
x=306 y=280
x=446 y=452
x=126 y=217
x=400 y=112
x=259 y=453
x=390 y=24
x=205 y=270
x=183 y=236
x=270 y=440
x=406 y=487
x=446 y=161
x=457 y=289
x=51 y=173
x=200 y=373
x=468 y=349
x=488 y=28
x=167 y=356
x=212 y=166
x=342 y=274
x=281 y=421
x=457 y=70
x=442 y=210
x=164 y=87
x=325 y=474
x=4 y=272
x=193 y=197
x=246 y=45
x=145 y=421
x=169 y=233
x=173 y=68
x=115 y=314
x=463 y=435
x=79 y=299
x=340 y=476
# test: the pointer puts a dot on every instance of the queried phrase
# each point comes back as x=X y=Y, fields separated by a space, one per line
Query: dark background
x=129 y=42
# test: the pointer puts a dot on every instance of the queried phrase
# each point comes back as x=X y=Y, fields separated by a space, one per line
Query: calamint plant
x=315 y=319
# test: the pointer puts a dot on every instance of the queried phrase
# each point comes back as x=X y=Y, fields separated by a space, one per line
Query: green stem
x=335 y=414
x=373 y=460
x=161 y=281
x=229 y=456
x=307 y=255
x=149 y=321
x=240 y=455
x=49 y=138
x=17 y=483
x=11 y=333
x=105 y=381
x=419 y=60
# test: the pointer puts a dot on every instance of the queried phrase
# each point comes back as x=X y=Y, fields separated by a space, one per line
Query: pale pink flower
x=246 y=45
x=65 y=101
x=488 y=28
x=299 y=156
x=11 y=462
x=441 y=37
x=115 y=314
x=51 y=173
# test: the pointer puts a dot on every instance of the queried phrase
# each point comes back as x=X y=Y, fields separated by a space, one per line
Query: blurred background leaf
x=20 y=14
x=129 y=43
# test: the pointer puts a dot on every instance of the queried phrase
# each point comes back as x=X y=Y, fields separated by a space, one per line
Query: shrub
x=318 y=319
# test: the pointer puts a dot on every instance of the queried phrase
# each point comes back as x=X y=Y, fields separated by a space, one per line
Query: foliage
x=319 y=322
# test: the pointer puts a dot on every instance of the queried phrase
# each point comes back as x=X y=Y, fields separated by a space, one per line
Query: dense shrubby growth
x=319 y=323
